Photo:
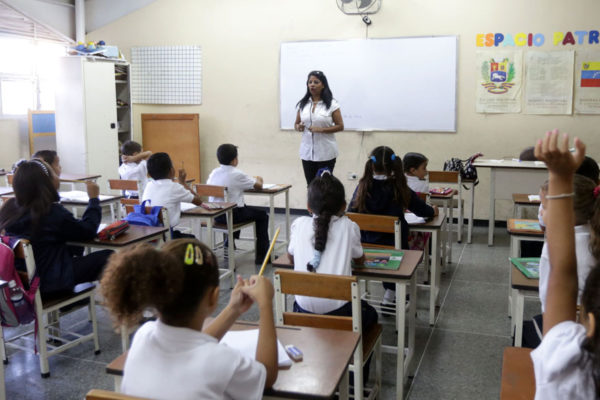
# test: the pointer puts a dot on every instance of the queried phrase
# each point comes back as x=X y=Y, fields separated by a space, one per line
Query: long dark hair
x=590 y=300
x=326 y=198
x=172 y=280
x=34 y=194
x=326 y=94
x=382 y=160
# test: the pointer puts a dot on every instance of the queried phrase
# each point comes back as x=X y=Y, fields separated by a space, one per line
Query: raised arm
x=561 y=301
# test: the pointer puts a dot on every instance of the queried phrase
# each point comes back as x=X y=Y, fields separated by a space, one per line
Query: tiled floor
x=459 y=358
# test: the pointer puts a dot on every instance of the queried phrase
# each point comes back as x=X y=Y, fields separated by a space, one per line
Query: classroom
x=460 y=345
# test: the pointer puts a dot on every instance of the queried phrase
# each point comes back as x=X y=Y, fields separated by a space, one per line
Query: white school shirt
x=167 y=362
x=318 y=146
x=561 y=370
x=343 y=244
x=417 y=185
x=234 y=180
x=137 y=172
x=585 y=263
x=169 y=194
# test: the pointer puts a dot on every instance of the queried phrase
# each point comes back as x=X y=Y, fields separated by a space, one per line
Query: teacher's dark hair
x=326 y=94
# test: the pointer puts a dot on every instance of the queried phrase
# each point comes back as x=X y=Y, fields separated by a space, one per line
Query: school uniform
x=561 y=370
x=136 y=172
x=236 y=182
x=168 y=194
x=380 y=201
x=585 y=263
x=56 y=265
x=417 y=185
x=167 y=362
x=317 y=150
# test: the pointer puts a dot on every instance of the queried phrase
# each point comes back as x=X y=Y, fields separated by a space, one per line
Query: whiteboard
x=402 y=84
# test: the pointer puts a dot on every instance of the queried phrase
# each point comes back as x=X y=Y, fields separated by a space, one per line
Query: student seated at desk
x=415 y=169
x=567 y=362
x=162 y=191
x=134 y=166
x=35 y=214
x=383 y=190
x=236 y=182
x=177 y=357
x=51 y=158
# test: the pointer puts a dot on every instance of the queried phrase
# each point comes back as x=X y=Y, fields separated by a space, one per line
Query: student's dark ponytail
x=326 y=198
x=590 y=301
x=172 y=281
x=595 y=225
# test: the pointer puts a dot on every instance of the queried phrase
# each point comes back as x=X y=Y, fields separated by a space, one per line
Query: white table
x=508 y=177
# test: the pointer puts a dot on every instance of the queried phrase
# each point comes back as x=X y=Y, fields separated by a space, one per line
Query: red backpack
x=8 y=272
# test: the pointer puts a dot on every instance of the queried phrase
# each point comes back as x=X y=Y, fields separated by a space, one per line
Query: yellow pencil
x=262 y=269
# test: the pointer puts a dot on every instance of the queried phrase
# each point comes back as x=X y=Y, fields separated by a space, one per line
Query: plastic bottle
x=22 y=308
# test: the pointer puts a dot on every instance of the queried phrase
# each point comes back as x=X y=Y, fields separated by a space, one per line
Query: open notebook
x=245 y=342
x=79 y=195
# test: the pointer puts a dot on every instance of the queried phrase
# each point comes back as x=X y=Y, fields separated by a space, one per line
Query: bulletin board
x=396 y=84
x=166 y=75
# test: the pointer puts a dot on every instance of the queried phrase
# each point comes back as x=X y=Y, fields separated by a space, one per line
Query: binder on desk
x=381 y=259
x=527 y=225
x=530 y=267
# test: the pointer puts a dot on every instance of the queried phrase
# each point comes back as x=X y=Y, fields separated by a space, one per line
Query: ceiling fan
x=359 y=7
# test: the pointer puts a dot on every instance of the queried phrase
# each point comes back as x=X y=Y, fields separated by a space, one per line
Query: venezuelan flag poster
x=587 y=82
x=499 y=81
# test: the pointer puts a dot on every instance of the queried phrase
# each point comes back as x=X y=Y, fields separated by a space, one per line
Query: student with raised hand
x=134 y=166
x=567 y=362
x=177 y=356
x=36 y=214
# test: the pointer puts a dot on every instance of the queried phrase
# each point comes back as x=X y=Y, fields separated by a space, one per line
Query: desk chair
x=335 y=287
x=163 y=217
x=9 y=179
x=48 y=313
x=97 y=394
x=204 y=190
x=452 y=178
x=123 y=185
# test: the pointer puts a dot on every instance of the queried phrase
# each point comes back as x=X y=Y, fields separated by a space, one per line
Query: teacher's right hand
x=300 y=127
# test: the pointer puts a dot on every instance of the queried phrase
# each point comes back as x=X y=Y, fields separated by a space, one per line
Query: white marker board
x=398 y=84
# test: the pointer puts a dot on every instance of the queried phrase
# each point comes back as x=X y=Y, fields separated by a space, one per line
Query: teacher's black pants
x=312 y=167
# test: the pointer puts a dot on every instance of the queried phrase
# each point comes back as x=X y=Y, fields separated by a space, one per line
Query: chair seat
x=369 y=339
x=61 y=298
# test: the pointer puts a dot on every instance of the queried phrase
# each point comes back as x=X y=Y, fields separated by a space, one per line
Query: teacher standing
x=318 y=118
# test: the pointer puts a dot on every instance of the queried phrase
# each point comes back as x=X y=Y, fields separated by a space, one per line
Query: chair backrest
x=444 y=177
x=123 y=184
x=97 y=394
x=130 y=202
x=204 y=190
x=336 y=287
x=378 y=223
x=9 y=179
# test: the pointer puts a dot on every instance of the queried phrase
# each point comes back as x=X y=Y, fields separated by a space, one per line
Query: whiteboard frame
x=454 y=128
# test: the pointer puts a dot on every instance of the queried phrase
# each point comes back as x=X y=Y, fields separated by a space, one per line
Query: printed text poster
x=549 y=82
x=499 y=81
x=587 y=82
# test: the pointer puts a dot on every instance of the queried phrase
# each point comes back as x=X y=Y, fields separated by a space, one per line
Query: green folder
x=381 y=259
x=530 y=267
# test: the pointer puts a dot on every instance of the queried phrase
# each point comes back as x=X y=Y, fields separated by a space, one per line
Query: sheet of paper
x=413 y=219
x=245 y=342
x=187 y=206
x=79 y=195
x=101 y=226
x=269 y=185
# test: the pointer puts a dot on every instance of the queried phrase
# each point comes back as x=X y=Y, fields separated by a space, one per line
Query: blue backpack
x=139 y=216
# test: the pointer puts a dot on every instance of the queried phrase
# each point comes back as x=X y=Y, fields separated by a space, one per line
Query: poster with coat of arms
x=499 y=81
x=587 y=82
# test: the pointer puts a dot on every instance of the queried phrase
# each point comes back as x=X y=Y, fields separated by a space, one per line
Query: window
x=28 y=71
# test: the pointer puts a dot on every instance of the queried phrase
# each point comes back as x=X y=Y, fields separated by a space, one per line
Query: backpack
x=8 y=272
x=467 y=170
x=139 y=216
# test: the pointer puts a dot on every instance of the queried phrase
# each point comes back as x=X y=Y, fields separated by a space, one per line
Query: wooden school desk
x=4 y=190
x=202 y=214
x=508 y=177
x=326 y=355
x=521 y=287
x=2 y=383
x=516 y=237
x=521 y=201
x=447 y=200
x=272 y=192
x=404 y=278
x=436 y=227
x=518 y=378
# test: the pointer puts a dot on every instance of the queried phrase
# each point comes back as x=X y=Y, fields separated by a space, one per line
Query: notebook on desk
x=246 y=341
x=78 y=195
x=413 y=219
x=440 y=190
x=529 y=266
x=527 y=225
x=381 y=259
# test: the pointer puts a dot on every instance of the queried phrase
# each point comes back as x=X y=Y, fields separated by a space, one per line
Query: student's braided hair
x=326 y=198
x=172 y=280
x=384 y=161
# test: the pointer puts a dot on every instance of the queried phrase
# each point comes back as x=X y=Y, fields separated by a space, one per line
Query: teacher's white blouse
x=318 y=146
